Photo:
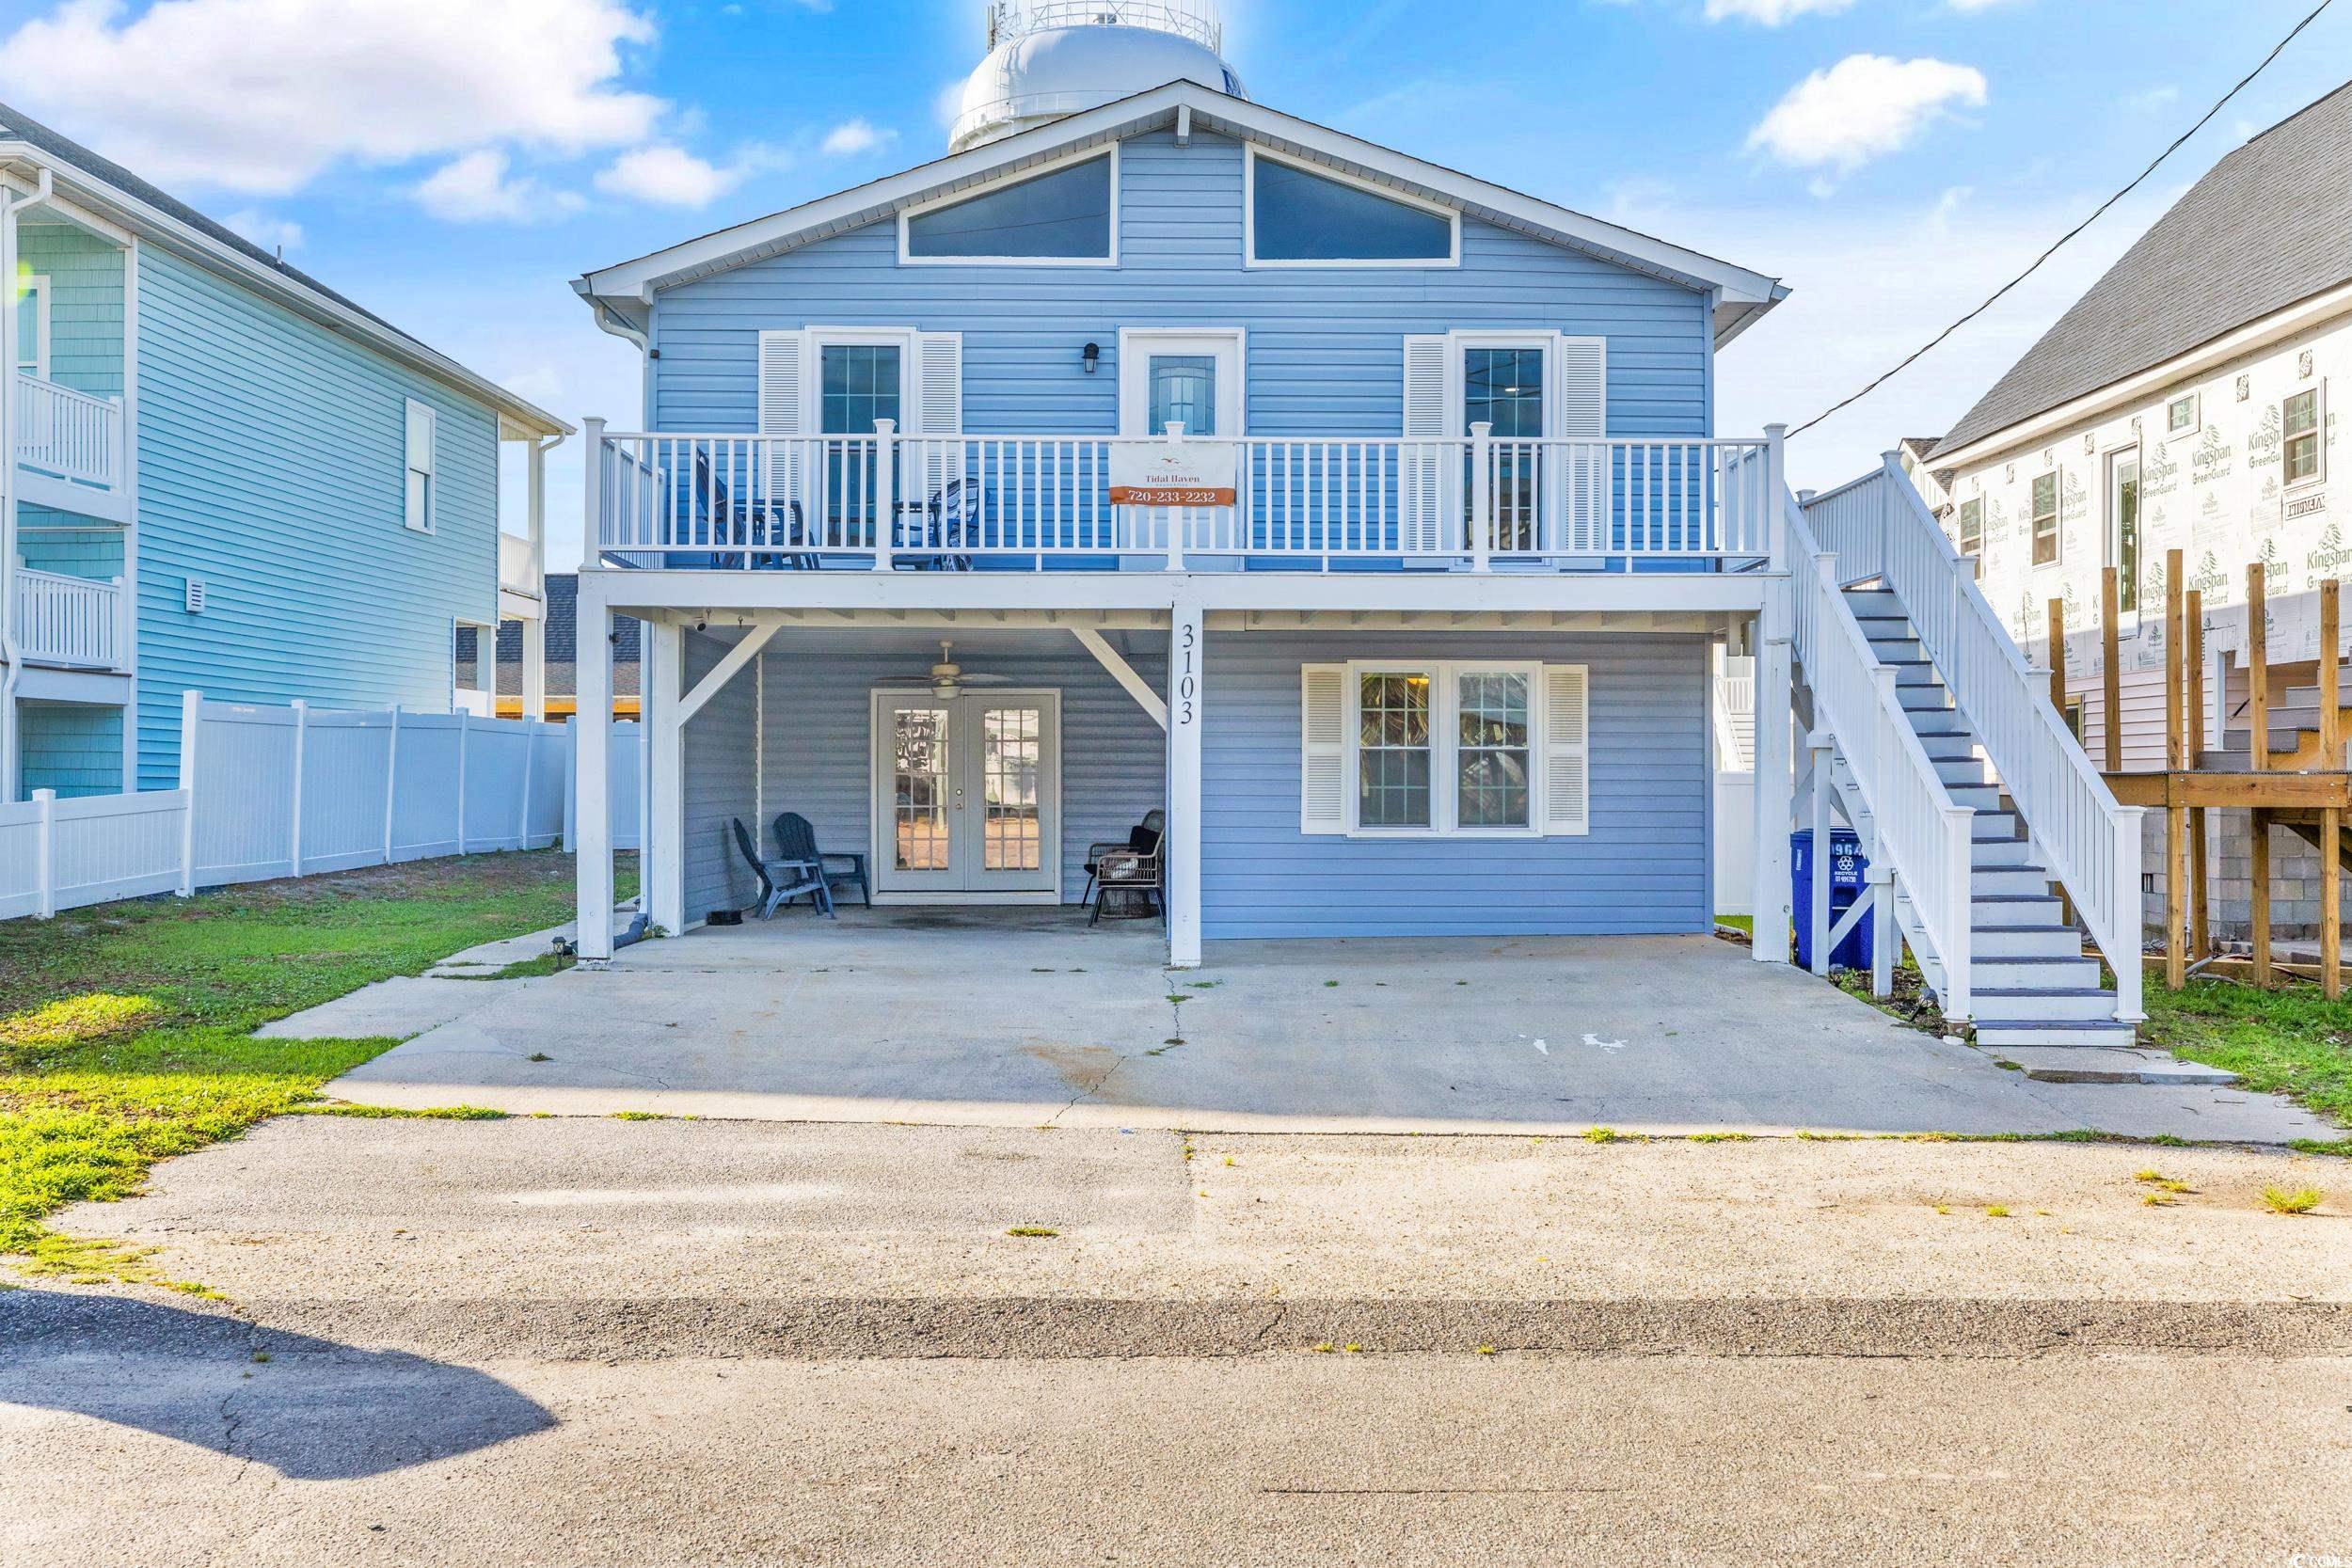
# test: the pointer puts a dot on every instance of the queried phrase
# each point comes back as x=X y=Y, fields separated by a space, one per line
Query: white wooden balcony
x=74 y=623
x=70 y=448
x=888 y=501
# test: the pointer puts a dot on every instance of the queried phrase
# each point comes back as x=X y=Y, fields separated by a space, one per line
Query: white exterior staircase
x=1966 y=788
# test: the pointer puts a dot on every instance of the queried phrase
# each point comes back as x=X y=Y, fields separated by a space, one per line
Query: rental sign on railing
x=1174 y=473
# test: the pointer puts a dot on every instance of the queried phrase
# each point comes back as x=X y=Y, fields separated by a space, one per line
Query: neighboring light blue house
x=1367 y=519
x=226 y=476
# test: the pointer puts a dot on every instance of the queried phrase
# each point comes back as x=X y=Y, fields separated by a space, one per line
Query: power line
x=1996 y=296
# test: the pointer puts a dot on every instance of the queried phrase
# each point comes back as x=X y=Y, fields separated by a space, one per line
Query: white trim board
x=1742 y=294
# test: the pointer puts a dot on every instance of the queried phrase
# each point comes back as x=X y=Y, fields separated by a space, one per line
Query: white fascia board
x=2253 y=337
x=723 y=594
x=1745 y=293
x=101 y=199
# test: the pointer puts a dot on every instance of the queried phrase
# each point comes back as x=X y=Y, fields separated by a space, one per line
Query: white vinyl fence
x=269 y=792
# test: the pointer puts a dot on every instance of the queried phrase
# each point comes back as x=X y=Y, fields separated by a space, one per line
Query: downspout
x=11 y=654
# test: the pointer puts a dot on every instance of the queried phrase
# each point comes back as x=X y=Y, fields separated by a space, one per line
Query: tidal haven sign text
x=1172 y=473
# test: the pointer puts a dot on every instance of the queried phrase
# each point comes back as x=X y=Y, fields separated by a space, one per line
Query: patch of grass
x=1722 y=1137
x=1031 y=1230
x=2303 y=1200
x=129 y=1027
x=1996 y=1210
x=1601 y=1135
x=663 y=1116
x=2292 y=1042
x=1738 y=922
x=532 y=969
x=1330 y=985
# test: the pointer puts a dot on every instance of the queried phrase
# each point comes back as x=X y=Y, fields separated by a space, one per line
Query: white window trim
x=430 y=523
x=1033 y=171
x=1959 y=525
x=1136 y=344
x=2318 y=392
x=2196 y=417
x=1445 y=746
x=1251 y=260
x=37 y=284
x=815 y=339
x=2058 y=520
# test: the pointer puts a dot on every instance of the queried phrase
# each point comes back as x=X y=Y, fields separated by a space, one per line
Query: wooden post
x=2258 y=667
x=2331 y=818
x=2175 y=816
x=2057 y=656
x=2193 y=720
x=2111 y=678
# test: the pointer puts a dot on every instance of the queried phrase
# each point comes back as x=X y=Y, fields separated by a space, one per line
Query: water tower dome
x=1047 y=58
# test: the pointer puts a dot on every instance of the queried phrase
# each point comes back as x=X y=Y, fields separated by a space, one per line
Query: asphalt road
x=588 y=1342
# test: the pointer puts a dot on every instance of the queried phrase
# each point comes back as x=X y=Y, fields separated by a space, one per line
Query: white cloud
x=670 y=176
x=476 y=188
x=1771 y=13
x=853 y=136
x=262 y=95
x=1973 y=6
x=270 y=234
x=1865 y=107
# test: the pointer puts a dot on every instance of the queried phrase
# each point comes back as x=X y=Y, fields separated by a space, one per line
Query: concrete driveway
x=1023 y=1017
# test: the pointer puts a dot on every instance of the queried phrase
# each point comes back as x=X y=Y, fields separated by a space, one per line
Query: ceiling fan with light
x=947 y=678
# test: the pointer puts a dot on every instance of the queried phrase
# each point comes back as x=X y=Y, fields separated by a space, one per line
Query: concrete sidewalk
x=1019 y=1019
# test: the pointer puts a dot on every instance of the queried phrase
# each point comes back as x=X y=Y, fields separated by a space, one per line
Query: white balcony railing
x=1043 y=501
x=70 y=435
x=73 y=621
x=518 y=571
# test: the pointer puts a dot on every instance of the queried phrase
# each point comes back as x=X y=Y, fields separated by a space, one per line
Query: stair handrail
x=1923 y=835
x=2090 y=842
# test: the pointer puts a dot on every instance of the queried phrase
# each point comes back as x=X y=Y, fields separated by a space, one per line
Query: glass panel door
x=966 y=793
x=857 y=384
x=1504 y=388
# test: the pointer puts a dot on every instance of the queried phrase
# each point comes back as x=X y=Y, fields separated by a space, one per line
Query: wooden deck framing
x=2316 y=804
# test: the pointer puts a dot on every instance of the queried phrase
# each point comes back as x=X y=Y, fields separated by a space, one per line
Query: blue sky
x=452 y=162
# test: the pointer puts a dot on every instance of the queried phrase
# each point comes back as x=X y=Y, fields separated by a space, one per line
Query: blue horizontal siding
x=271 y=465
x=73 y=748
x=86 y=311
x=1325 y=345
x=1643 y=868
x=721 y=782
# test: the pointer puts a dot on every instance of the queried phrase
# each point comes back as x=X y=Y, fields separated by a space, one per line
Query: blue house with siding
x=1155 y=451
x=224 y=476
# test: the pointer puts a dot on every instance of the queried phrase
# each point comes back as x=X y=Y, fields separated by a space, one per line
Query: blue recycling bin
x=1846 y=865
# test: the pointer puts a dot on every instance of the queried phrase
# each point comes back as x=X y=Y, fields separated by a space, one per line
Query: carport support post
x=1181 y=845
x=592 y=771
x=1816 y=940
x=1776 y=792
x=664 y=867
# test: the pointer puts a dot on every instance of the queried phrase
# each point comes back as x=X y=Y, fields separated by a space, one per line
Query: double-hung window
x=2046 y=520
x=423 y=483
x=1461 y=748
x=1972 y=526
x=2299 y=429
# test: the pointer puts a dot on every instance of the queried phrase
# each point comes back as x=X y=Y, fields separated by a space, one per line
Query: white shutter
x=1579 y=485
x=783 y=410
x=1427 y=502
x=1322 y=749
x=1567 y=750
x=938 y=408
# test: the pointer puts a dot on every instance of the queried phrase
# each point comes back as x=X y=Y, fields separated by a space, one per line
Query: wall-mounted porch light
x=1090 y=357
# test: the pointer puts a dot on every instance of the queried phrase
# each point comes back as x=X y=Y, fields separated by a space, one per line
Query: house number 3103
x=1187 y=686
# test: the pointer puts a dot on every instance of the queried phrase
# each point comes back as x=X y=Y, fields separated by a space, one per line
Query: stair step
x=1983 y=797
x=1895 y=645
x=1993 y=881
x=1999 y=854
x=1959 y=771
x=1874 y=602
x=2029 y=1032
x=2013 y=909
x=2072 y=972
x=2024 y=941
x=2105 y=1062
x=2069 y=1004
x=1917 y=698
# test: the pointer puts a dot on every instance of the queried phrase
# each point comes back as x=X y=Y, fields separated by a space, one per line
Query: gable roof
x=114 y=192
x=2269 y=225
x=622 y=290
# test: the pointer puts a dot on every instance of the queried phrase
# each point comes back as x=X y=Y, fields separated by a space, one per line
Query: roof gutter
x=339 y=318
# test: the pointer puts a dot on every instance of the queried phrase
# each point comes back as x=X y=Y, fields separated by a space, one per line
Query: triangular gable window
x=1065 y=215
x=1300 y=217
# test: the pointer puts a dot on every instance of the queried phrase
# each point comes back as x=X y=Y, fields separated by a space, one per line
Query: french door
x=967 y=796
